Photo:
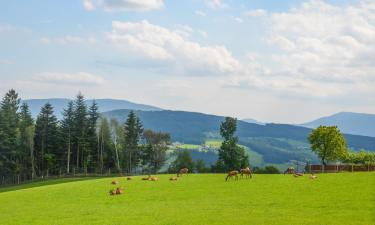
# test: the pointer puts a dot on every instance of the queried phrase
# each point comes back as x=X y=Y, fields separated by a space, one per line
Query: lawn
x=345 y=198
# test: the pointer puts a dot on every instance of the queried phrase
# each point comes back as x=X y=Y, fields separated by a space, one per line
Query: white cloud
x=256 y=13
x=160 y=44
x=199 y=13
x=123 y=5
x=237 y=19
x=68 y=39
x=216 y=4
x=78 y=78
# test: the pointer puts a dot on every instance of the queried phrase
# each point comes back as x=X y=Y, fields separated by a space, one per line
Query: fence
x=340 y=168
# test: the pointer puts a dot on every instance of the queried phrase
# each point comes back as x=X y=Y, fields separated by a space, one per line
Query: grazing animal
x=173 y=178
x=233 y=173
x=247 y=172
x=312 y=176
x=183 y=171
x=114 y=182
x=129 y=178
x=289 y=170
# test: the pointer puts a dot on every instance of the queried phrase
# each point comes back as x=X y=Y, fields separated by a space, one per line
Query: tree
x=200 y=166
x=328 y=143
x=26 y=143
x=132 y=134
x=9 y=155
x=92 y=137
x=67 y=130
x=231 y=156
x=80 y=122
x=183 y=160
x=116 y=133
x=46 y=140
x=155 y=150
x=106 y=154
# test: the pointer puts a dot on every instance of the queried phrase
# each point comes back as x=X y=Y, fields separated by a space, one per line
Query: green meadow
x=195 y=199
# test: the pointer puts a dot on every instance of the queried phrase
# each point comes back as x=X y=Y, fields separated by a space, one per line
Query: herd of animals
x=245 y=172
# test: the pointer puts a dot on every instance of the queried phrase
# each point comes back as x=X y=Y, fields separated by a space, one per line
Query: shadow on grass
x=39 y=183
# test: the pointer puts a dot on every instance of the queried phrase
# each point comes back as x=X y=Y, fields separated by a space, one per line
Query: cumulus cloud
x=77 y=78
x=216 y=4
x=68 y=39
x=161 y=44
x=123 y=5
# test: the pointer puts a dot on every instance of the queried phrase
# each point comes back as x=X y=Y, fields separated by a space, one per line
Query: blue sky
x=279 y=61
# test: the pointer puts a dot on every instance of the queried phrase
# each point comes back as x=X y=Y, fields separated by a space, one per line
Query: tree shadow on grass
x=40 y=183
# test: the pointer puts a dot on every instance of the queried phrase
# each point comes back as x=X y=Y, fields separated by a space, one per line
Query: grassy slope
x=198 y=199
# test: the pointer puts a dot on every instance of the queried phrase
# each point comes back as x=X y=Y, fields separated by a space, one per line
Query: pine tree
x=107 y=157
x=26 y=143
x=67 y=132
x=132 y=131
x=9 y=155
x=81 y=148
x=46 y=141
x=92 y=136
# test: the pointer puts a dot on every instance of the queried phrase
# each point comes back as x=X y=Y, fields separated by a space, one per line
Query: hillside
x=276 y=143
x=348 y=122
x=104 y=105
x=195 y=199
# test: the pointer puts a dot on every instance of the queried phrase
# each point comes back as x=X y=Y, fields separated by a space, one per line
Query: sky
x=287 y=61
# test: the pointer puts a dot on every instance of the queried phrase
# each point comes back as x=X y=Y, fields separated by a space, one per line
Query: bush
x=267 y=170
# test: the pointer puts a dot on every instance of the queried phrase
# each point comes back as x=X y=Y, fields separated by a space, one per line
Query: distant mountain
x=348 y=122
x=275 y=143
x=104 y=105
x=249 y=120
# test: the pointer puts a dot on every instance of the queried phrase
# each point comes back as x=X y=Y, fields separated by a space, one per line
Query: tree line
x=81 y=142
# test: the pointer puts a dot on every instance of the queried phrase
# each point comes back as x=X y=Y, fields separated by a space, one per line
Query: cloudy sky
x=277 y=61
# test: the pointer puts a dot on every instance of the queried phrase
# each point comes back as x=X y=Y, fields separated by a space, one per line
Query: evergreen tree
x=67 y=132
x=46 y=141
x=231 y=156
x=80 y=121
x=26 y=143
x=107 y=157
x=92 y=136
x=132 y=131
x=9 y=156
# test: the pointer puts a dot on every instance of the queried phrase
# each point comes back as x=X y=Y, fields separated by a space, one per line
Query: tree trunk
x=68 y=163
x=77 y=156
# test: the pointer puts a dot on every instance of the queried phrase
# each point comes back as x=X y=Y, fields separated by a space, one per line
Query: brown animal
x=114 y=182
x=247 y=172
x=146 y=178
x=289 y=170
x=173 y=178
x=129 y=178
x=154 y=178
x=297 y=174
x=112 y=192
x=183 y=171
x=119 y=191
x=233 y=173
x=312 y=176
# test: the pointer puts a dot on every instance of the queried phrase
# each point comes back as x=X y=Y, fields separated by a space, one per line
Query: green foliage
x=328 y=143
x=182 y=160
x=267 y=170
x=133 y=130
x=231 y=156
x=361 y=157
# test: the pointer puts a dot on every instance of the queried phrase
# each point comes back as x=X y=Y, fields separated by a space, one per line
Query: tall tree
x=106 y=154
x=26 y=143
x=9 y=133
x=328 y=143
x=231 y=156
x=183 y=160
x=133 y=130
x=46 y=140
x=154 y=152
x=116 y=133
x=67 y=126
x=92 y=137
x=81 y=147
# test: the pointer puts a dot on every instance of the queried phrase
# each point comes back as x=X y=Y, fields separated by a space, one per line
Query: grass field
x=345 y=198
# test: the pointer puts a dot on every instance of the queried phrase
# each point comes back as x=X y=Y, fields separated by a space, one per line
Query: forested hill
x=192 y=127
x=104 y=105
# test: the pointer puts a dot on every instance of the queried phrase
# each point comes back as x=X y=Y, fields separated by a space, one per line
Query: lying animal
x=231 y=174
x=297 y=174
x=173 y=178
x=114 y=182
x=154 y=178
x=146 y=178
x=119 y=191
x=312 y=176
x=129 y=178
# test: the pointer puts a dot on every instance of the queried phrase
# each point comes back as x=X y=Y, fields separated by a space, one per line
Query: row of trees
x=81 y=141
x=330 y=146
